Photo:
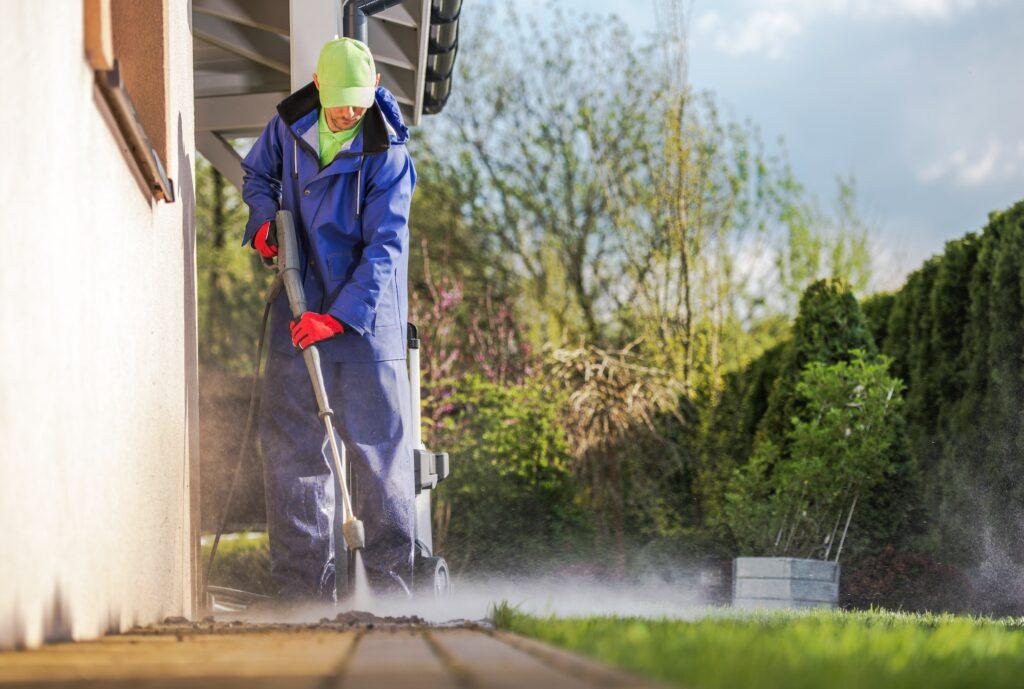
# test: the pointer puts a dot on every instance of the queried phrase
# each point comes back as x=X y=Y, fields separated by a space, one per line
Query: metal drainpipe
x=355 y=13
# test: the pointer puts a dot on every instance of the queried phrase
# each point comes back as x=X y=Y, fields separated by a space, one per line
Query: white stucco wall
x=95 y=343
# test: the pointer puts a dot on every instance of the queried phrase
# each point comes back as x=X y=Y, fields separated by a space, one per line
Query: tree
x=829 y=326
x=231 y=280
x=535 y=131
x=511 y=498
x=822 y=245
x=611 y=202
x=443 y=238
x=846 y=443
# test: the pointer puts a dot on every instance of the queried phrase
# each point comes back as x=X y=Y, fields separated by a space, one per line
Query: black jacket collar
x=300 y=103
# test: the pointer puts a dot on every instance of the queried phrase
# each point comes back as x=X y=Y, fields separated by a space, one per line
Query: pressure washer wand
x=288 y=267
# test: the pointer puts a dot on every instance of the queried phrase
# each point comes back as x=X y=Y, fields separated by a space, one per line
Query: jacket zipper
x=342 y=154
x=359 y=185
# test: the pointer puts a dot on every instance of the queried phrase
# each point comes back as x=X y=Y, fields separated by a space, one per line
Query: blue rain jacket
x=351 y=219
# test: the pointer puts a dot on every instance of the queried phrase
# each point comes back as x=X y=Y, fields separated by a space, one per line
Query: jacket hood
x=385 y=100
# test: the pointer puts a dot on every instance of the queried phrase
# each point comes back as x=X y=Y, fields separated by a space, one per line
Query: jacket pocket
x=338 y=267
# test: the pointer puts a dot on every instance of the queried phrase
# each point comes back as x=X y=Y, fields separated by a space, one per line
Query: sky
x=922 y=101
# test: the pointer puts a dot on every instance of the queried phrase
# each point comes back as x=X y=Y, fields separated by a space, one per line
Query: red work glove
x=262 y=243
x=313 y=327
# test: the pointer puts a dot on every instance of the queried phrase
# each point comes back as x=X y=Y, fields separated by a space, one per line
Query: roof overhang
x=249 y=54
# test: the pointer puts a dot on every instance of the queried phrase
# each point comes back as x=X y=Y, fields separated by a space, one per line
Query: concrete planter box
x=784 y=582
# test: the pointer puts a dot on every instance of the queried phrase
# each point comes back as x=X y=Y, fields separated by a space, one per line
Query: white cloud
x=870 y=9
x=767 y=27
x=994 y=162
x=917 y=9
x=707 y=22
x=766 y=32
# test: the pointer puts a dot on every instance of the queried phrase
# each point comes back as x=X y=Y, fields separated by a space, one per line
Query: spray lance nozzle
x=354 y=533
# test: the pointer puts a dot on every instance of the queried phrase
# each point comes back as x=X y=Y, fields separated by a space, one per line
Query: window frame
x=122 y=115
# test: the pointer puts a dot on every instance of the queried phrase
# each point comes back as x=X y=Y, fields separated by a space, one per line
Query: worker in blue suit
x=335 y=156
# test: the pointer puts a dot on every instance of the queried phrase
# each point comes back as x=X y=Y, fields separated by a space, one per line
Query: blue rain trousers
x=370 y=401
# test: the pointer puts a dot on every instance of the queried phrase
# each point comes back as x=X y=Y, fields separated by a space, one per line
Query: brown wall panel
x=140 y=48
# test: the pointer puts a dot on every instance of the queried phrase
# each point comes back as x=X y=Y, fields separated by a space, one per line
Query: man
x=335 y=156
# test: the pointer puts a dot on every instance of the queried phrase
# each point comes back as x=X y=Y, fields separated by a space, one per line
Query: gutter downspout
x=355 y=13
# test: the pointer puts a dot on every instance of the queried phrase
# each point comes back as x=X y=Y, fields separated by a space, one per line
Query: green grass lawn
x=790 y=650
x=243 y=562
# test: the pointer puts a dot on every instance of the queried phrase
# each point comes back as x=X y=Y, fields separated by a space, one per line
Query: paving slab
x=487 y=662
x=395 y=660
x=254 y=660
x=326 y=656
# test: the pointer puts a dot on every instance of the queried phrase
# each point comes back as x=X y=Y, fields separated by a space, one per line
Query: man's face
x=342 y=118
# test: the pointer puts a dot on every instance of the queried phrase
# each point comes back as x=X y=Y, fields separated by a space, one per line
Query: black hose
x=246 y=435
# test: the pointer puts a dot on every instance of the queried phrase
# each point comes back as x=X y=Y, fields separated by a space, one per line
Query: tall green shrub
x=758 y=403
x=842 y=449
x=511 y=503
x=829 y=326
x=955 y=332
x=729 y=430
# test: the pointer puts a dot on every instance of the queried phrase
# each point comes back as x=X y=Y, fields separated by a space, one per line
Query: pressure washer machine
x=430 y=572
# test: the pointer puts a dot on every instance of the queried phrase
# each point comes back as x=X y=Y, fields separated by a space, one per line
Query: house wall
x=97 y=338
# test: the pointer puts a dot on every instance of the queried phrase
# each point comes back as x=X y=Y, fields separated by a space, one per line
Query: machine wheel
x=431 y=577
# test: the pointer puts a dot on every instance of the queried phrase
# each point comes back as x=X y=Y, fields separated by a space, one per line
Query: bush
x=955 y=336
x=243 y=562
x=730 y=431
x=903 y=580
x=511 y=501
x=847 y=441
x=829 y=326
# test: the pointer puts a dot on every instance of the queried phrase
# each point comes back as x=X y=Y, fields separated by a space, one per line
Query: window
x=125 y=43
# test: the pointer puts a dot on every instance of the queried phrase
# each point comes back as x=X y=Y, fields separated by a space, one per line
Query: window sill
x=140 y=151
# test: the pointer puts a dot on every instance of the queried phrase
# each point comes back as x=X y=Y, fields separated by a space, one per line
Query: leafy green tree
x=846 y=444
x=824 y=243
x=231 y=280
